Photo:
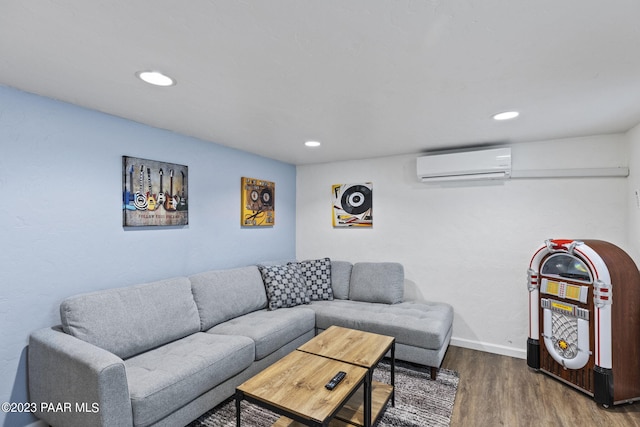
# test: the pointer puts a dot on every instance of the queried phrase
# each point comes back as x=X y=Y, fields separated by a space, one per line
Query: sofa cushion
x=418 y=324
x=221 y=295
x=166 y=378
x=340 y=277
x=317 y=275
x=128 y=321
x=285 y=285
x=270 y=330
x=381 y=282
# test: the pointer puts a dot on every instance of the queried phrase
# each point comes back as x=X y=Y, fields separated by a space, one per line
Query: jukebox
x=584 y=318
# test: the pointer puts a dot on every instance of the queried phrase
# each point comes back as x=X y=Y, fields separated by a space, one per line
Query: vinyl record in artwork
x=352 y=205
x=258 y=202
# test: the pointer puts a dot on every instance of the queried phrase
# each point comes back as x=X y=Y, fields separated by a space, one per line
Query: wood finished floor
x=499 y=390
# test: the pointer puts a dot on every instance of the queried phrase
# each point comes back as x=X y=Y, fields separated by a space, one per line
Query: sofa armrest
x=74 y=383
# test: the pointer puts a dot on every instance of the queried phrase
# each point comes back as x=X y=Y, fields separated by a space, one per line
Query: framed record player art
x=352 y=205
x=154 y=193
x=258 y=202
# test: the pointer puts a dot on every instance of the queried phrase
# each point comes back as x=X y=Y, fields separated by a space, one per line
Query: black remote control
x=335 y=380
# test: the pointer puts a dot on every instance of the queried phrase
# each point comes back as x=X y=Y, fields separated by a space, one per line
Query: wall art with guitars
x=154 y=193
x=258 y=202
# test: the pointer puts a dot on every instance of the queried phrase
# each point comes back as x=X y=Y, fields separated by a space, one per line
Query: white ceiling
x=367 y=78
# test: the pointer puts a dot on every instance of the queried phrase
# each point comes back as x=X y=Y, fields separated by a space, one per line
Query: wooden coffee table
x=363 y=349
x=294 y=387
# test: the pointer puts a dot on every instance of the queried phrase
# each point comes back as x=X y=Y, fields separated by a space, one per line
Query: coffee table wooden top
x=349 y=345
x=295 y=384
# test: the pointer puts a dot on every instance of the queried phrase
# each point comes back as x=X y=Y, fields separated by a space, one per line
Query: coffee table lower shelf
x=352 y=413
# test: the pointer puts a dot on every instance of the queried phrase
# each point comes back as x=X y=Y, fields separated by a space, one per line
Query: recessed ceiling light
x=312 y=143
x=506 y=115
x=155 y=78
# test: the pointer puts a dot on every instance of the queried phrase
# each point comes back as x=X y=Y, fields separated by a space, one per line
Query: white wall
x=633 y=200
x=469 y=244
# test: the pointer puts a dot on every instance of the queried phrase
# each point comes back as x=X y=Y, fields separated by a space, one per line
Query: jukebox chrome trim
x=602 y=294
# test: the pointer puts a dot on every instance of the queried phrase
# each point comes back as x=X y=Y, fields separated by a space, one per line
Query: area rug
x=420 y=402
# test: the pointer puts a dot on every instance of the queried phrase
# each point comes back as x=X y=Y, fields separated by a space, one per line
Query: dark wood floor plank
x=497 y=390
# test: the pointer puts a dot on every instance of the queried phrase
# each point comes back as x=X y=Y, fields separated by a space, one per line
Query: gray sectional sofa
x=163 y=353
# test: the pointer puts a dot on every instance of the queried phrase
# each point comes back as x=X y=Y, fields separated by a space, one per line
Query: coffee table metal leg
x=238 y=399
x=367 y=398
x=393 y=374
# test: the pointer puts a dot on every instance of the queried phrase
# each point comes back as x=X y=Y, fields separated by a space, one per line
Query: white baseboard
x=519 y=353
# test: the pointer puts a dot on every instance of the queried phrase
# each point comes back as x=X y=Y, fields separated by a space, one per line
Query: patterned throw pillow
x=285 y=285
x=317 y=274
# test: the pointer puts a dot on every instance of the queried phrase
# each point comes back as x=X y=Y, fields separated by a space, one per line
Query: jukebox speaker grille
x=564 y=335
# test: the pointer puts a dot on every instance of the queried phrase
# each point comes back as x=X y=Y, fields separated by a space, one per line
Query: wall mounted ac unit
x=494 y=163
